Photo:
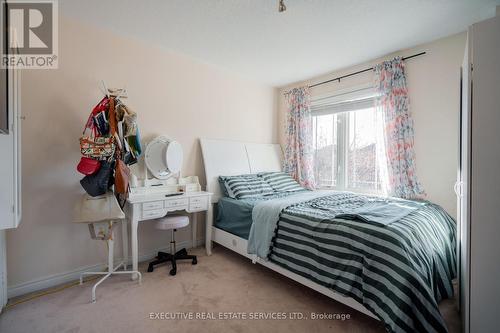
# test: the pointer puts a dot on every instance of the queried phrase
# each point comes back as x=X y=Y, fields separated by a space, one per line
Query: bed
x=396 y=272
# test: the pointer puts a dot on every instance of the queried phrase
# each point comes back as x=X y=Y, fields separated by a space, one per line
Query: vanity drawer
x=198 y=203
x=152 y=205
x=173 y=203
x=153 y=214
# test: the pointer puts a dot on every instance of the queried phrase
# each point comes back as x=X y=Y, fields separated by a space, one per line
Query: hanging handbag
x=98 y=209
x=98 y=183
x=129 y=118
x=122 y=174
x=130 y=128
x=99 y=147
x=88 y=166
x=134 y=142
x=113 y=124
x=100 y=107
x=94 y=146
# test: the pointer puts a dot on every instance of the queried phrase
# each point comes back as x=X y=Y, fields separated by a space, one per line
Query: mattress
x=235 y=215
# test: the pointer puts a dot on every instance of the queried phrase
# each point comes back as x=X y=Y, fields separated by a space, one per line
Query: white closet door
x=10 y=164
x=485 y=180
x=462 y=189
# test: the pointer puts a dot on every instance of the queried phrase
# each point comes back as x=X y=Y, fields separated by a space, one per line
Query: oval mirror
x=163 y=157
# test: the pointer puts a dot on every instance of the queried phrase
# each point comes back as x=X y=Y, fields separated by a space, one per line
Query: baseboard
x=66 y=277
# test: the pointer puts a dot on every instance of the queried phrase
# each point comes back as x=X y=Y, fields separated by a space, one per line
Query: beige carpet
x=224 y=282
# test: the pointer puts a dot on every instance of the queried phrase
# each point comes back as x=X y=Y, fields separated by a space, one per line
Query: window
x=345 y=130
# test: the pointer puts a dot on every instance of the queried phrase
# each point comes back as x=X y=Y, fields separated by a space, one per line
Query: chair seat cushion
x=172 y=222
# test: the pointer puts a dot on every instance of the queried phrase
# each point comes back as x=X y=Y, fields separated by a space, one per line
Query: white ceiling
x=251 y=38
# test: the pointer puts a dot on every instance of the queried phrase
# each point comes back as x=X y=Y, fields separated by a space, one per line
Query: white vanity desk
x=163 y=159
x=143 y=207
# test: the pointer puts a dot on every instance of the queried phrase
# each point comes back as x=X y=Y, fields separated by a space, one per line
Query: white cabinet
x=10 y=173
x=478 y=186
x=10 y=161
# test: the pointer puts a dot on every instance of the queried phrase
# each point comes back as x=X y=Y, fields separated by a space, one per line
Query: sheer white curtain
x=383 y=171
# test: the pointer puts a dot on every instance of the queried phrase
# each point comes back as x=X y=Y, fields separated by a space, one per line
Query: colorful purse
x=94 y=146
x=99 y=148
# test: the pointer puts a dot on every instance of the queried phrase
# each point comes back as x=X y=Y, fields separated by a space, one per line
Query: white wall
x=434 y=90
x=172 y=94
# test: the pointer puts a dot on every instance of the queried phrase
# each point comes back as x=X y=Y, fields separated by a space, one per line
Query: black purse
x=98 y=183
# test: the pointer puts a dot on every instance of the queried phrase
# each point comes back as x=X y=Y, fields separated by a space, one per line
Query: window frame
x=351 y=100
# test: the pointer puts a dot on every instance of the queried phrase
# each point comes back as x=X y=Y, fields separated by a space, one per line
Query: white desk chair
x=101 y=214
x=172 y=223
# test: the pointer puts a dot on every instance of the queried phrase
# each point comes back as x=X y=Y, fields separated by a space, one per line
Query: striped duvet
x=400 y=271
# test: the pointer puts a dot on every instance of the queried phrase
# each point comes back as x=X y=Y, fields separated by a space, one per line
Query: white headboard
x=230 y=158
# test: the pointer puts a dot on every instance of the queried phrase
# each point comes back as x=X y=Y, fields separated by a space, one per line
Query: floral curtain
x=393 y=107
x=298 y=161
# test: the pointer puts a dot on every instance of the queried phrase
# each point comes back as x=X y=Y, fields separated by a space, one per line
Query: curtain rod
x=359 y=72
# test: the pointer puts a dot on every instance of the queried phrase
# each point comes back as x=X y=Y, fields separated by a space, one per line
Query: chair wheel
x=173 y=271
x=150 y=268
x=194 y=262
